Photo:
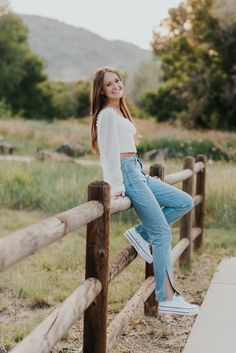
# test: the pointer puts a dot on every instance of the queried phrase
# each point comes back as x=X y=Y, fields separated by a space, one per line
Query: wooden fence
x=91 y=298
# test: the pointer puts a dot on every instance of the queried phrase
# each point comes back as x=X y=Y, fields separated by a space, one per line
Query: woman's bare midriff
x=127 y=154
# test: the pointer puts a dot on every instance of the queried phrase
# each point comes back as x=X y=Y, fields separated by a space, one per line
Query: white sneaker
x=178 y=306
x=140 y=244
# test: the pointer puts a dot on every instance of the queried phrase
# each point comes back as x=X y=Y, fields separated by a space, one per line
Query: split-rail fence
x=91 y=297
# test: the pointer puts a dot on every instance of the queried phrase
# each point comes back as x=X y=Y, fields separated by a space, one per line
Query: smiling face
x=112 y=87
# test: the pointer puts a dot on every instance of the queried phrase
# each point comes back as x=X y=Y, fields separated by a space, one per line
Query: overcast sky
x=129 y=20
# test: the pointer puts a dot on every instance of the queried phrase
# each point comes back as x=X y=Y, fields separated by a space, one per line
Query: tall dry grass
x=28 y=135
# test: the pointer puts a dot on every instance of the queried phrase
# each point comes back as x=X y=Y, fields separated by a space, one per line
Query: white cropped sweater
x=115 y=135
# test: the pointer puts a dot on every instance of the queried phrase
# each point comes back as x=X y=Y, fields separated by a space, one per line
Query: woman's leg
x=144 y=192
x=158 y=230
x=174 y=202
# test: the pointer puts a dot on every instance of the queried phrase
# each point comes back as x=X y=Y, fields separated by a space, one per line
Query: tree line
x=24 y=87
x=192 y=80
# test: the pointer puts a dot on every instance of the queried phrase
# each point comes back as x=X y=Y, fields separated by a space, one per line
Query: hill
x=73 y=53
x=226 y=11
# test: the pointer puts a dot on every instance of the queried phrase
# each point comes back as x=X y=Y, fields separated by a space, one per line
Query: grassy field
x=30 y=192
x=29 y=136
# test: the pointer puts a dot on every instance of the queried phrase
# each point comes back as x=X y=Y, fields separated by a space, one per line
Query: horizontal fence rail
x=53 y=328
x=120 y=323
x=121 y=261
x=25 y=242
x=99 y=272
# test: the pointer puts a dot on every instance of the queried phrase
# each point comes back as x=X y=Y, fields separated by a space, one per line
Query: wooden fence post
x=97 y=255
x=151 y=305
x=186 y=220
x=200 y=209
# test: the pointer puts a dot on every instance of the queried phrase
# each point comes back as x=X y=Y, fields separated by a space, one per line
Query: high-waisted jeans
x=157 y=205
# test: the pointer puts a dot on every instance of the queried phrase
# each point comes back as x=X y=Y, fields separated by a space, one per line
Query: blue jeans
x=157 y=205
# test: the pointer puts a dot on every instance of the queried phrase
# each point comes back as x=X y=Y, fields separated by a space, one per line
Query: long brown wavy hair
x=98 y=102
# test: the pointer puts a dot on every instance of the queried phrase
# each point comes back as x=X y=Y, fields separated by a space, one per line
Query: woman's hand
x=117 y=194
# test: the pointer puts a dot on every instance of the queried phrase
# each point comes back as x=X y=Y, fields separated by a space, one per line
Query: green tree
x=64 y=102
x=81 y=93
x=147 y=76
x=199 y=67
x=28 y=95
x=67 y=99
x=13 y=48
x=21 y=69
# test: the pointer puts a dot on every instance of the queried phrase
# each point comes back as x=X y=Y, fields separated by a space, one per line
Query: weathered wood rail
x=91 y=297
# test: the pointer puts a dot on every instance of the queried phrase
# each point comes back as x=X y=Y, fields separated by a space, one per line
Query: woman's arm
x=109 y=149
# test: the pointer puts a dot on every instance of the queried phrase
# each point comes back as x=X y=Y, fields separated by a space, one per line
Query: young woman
x=156 y=203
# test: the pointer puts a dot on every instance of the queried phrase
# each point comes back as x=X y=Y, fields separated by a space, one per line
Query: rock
x=163 y=153
x=150 y=155
x=6 y=147
x=71 y=149
x=43 y=155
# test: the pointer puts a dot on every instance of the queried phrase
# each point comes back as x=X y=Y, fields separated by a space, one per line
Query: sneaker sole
x=138 y=248
x=179 y=312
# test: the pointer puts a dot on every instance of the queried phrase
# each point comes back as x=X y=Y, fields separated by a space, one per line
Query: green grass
x=14 y=332
x=220 y=241
x=221 y=195
x=45 y=186
x=51 y=187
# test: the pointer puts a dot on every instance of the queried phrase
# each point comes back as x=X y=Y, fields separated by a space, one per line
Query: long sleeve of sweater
x=109 y=149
